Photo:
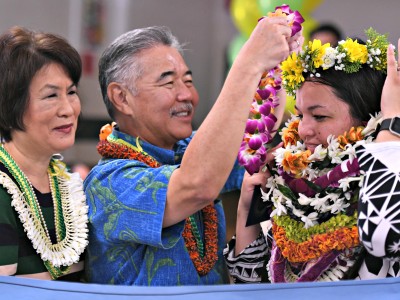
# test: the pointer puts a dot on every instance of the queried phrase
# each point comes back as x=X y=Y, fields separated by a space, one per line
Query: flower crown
x=349 y=56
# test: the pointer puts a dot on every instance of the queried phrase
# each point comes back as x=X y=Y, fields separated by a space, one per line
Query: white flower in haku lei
x=372 y=124
x=300 y=146
x=310 y=173
x=321 y=204
x=334 y=151
x=297 y=212
x=279 y=154
x=338 y=206
x=304 y=200
x=279 y=180
x=329 y=57
x=272 y=186
x=310 y=220
x=350 y=151
x=319 y=154
x=279 y=208
x=274 y=195
x=344 y=183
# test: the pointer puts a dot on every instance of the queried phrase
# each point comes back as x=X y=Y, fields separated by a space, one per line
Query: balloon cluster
x=245 y=14
x=259 y=126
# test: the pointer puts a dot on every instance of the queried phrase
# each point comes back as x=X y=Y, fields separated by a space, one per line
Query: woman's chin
x=311 y=148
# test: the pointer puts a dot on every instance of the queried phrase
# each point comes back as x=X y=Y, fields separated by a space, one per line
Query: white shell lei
x=73 y=201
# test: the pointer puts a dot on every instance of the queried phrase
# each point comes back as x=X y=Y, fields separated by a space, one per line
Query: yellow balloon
x=310 y=5
x=245 y=15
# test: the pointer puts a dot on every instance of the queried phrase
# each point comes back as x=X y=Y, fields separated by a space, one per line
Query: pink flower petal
x=264 y=93
x=265 y=109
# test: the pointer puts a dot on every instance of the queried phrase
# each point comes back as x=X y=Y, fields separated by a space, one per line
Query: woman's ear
x=118 y=95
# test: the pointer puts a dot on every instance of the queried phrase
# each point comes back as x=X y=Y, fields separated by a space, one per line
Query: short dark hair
x=119 y=62
x=327 y=27
x=361 y=90
x=23 y=53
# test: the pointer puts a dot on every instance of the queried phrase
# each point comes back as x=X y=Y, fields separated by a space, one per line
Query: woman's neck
x=35 y=167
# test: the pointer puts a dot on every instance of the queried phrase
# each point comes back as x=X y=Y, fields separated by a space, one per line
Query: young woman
x=312 y=185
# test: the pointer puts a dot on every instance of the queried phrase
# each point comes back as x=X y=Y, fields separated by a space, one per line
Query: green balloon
x=267 y=6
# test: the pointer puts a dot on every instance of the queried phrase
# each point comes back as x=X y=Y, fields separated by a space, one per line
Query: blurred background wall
x=213 y=29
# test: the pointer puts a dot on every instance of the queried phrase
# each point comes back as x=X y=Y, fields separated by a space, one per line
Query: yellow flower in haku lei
x=355 y=52
x=292 y=69
x=318 y=52
x=349 y=56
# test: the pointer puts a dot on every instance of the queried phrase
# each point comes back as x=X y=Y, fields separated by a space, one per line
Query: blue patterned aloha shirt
x=127 y=244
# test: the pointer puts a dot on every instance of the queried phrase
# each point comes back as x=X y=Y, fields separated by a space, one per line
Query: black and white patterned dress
x=378 y=223
x=379 y=209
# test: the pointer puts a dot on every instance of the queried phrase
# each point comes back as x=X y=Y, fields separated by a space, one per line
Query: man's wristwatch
x=393 y=125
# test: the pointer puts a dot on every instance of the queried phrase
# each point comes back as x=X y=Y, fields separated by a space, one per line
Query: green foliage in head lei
x=349 y=56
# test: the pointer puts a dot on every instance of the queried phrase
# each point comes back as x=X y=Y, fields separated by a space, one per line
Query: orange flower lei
x=290 y=134
x=318 y=245
x=355 y=134
x=114 y=150
x=203 y=258
x=295 y=163
x=203 y=263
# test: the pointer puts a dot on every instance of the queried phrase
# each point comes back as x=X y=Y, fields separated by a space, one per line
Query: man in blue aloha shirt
x=154 y=218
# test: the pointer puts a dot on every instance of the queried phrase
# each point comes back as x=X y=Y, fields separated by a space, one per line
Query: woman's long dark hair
x=361 y=90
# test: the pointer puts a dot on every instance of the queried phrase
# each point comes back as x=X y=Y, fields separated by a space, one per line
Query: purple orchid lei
x=261 y=122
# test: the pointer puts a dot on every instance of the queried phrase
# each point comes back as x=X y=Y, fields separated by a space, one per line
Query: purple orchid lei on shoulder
x=261 y=122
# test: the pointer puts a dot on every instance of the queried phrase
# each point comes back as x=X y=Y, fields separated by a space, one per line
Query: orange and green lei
x=203 y=255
